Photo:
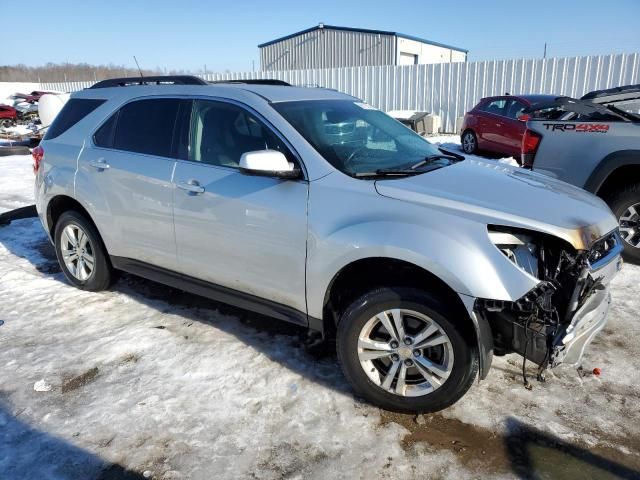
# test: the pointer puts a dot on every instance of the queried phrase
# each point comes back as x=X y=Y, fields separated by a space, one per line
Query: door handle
x=99 y=164
x=191 y=186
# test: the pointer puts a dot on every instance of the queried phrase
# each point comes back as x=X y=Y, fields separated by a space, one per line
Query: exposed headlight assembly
x=517 y=245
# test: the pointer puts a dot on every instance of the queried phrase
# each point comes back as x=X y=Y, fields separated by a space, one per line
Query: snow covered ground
x=144 y=381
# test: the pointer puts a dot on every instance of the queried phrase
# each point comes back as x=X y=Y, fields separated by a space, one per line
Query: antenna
x=138 y=65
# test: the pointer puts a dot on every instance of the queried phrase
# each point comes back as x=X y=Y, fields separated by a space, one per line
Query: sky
x=223 y=36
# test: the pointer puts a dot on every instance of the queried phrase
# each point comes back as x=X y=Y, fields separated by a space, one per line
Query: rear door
x=126 y=170
x=247 y=233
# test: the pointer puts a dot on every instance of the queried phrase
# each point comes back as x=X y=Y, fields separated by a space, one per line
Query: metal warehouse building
x=326 y=46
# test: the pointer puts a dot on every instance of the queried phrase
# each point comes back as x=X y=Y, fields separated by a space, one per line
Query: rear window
x=146 y=126
x=72 y=112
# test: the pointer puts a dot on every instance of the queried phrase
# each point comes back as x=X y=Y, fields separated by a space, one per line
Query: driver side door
x=245 y=233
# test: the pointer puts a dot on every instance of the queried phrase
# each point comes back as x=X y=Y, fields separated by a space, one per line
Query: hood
x=494 y=193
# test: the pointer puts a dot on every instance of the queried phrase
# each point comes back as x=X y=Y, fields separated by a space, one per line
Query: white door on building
x=408 y=58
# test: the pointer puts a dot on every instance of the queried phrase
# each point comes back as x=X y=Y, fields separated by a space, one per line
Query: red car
x=29 y=98
x=493 y=125
x=35 y=95
x=8 y=115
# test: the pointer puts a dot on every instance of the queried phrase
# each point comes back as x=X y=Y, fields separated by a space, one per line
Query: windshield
x=631 y=106
x=356 y=138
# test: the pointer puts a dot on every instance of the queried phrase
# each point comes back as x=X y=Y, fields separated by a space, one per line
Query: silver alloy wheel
x=77 y=252
x=468 y=142
x=630 y=225
x=405 y=352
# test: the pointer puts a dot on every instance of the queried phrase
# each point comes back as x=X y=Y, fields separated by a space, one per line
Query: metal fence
x=451 y=89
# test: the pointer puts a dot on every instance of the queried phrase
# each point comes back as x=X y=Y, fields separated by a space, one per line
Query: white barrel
x=50 y=105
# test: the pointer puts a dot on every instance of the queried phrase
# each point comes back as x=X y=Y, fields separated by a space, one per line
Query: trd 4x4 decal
x=577 y=127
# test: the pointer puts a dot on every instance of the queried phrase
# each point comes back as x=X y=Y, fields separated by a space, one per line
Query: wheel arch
x=616 y=169
x=365 y=274
x=63 y=203
x=471 y=130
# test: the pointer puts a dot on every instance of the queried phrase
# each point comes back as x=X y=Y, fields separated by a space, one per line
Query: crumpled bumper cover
x=586 y=323
x=591 y=317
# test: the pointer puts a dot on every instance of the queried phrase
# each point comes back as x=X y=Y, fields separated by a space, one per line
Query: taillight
x=37 y=154
x=530 y=144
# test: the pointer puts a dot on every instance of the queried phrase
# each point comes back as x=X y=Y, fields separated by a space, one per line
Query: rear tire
x=469 y=142
x=625 y=204
x=81 y=253
x=425 y=379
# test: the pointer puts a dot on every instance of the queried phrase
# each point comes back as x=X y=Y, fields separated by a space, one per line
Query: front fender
x=455 y=249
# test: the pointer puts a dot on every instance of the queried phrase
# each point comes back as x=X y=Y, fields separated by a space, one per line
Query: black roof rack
x=257 y=81
x=159 y=80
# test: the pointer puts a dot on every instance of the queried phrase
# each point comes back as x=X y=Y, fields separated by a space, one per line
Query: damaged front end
x=556 y=321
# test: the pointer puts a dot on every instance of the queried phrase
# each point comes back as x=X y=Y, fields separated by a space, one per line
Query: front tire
x=469 y=142
x=401 y=349
x=81 y=253
x=625 y=204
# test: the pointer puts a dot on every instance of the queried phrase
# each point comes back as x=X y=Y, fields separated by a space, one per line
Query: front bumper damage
x=555 y=322
x=586 y=323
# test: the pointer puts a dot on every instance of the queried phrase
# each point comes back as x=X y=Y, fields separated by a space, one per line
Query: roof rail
x=256 y=81
x=611 y=92
x=159 y=80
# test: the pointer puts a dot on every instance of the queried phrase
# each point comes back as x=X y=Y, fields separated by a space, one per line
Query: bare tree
x=60 y=72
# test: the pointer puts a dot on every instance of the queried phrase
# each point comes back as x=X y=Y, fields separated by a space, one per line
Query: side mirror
x=268 y=163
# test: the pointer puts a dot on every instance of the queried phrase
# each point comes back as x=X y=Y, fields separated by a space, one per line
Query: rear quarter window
x=72 y=112
x=104 y=136
x=146 y=126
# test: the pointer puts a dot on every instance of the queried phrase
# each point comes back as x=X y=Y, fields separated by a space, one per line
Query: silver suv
x=312 y=207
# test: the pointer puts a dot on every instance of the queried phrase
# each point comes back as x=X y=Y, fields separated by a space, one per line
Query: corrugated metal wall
x=329 y=48
x=451 y=89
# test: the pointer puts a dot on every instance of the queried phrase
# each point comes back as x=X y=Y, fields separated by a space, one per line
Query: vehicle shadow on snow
x=29 y=453
x=534 y=455
x=27 y=239
x=521 y=452
x=280 y=341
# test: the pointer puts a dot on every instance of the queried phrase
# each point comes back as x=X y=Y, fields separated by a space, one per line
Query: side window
x=496 y=107
x=104 y=136
x=72 y=112
x=147 y=126
x=222 y=132
x=514 y=109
